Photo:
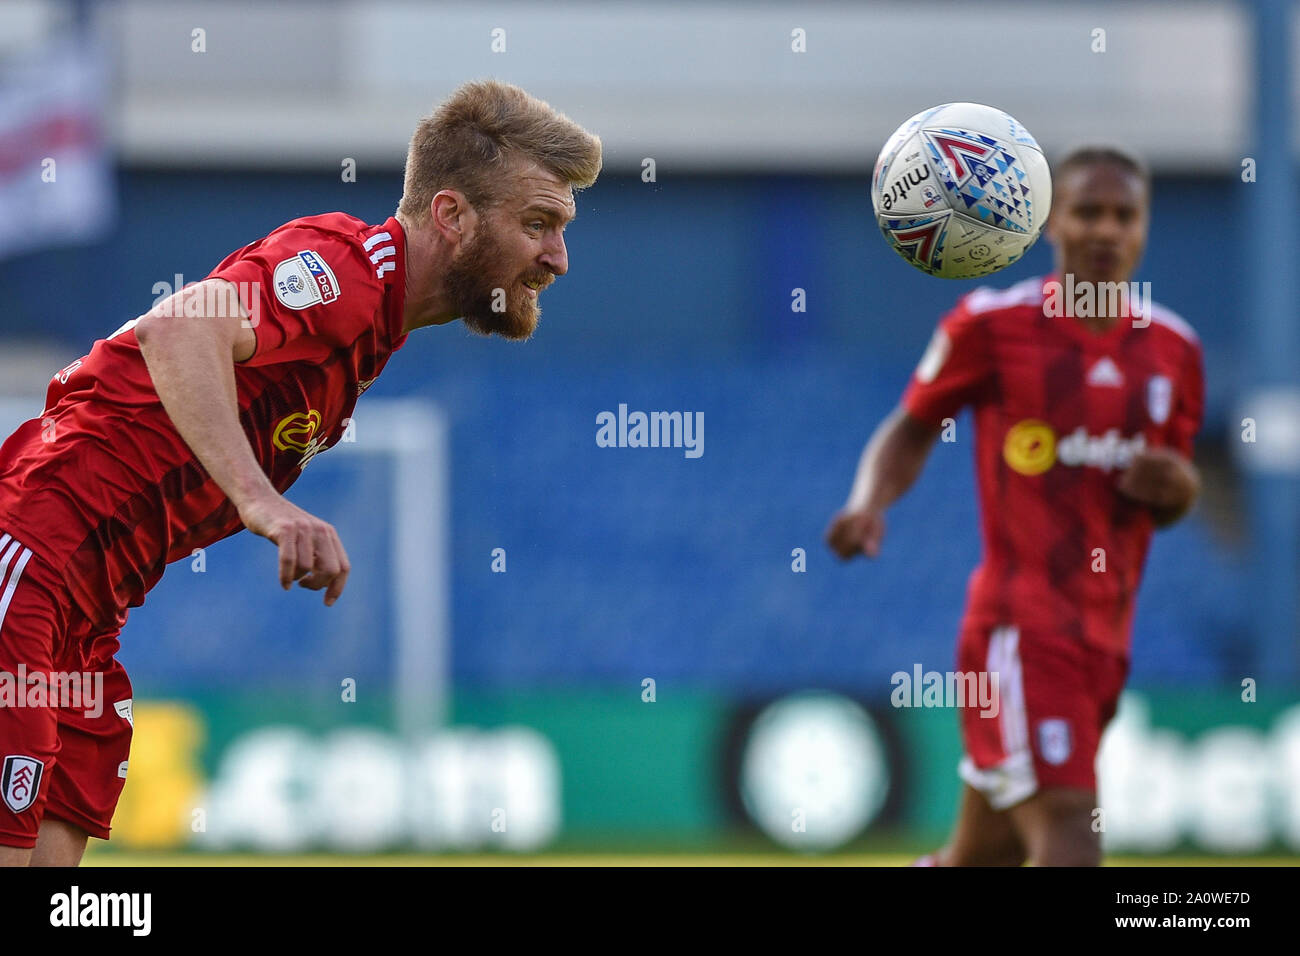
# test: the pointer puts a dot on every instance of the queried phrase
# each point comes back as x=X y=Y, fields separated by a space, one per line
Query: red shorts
x=1054 y=698
x=65 y=724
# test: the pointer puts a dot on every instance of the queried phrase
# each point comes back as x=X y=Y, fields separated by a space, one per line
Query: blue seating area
x=625 y=563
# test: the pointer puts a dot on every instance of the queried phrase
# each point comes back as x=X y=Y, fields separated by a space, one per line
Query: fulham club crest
x=21 y=781
x=1054 y=740
x=1160 y=394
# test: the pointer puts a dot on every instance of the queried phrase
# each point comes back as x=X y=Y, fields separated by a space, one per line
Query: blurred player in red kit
x=1085 y=406
x=188 y=424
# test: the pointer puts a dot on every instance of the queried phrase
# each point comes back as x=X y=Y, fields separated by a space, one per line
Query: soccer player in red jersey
x=189 y=423
x=1085 y=406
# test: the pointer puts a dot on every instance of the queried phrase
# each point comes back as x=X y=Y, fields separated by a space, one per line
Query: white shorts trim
x=1012 y=780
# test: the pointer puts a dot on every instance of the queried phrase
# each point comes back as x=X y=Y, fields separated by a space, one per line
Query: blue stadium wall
x=624 y=564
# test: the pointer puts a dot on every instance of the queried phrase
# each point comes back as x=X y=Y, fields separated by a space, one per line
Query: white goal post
x=414 y=432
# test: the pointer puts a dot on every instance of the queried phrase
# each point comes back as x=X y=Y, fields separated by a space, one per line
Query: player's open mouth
x=535 y=287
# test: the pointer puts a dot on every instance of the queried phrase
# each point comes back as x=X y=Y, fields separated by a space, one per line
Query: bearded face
x=493 y=294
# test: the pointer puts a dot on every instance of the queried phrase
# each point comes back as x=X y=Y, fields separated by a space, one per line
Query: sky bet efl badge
x=305 y=280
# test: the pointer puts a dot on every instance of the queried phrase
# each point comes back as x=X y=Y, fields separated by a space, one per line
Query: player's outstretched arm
x=1163 y=480
x=890 y=463
x=190 y=355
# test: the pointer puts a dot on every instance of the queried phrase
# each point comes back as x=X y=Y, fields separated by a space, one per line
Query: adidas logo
x=1105 y=374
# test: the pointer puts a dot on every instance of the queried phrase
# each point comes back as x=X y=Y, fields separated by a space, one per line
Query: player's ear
x=446 y=210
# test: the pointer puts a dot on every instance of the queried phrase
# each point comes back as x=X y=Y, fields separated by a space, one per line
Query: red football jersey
x=1059 y=413
x=102 y=485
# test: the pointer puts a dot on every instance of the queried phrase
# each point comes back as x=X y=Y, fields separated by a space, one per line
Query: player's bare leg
x=15 y=856
x=982 y=836
x=1056 y=827
x=59 y=844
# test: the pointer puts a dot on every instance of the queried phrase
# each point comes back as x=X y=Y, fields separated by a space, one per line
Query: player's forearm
x=890 y=463
x=192 y=368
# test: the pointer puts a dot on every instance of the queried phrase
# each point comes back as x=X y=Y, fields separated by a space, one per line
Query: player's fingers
x=344 y=565
x=854 y=531
x=336 y=587
x=326 y=562
x=836 y=543
x=288 y=560
x=831 y=538
x=875 y=531
x=838 y=539
x=305 y=555
x=314 y=580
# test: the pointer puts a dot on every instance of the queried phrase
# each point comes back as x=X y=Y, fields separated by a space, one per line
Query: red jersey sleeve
x=306 y=290
x=1189 y=403
x=955 y=369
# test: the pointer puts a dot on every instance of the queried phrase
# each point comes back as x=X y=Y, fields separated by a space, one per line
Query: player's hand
x=1160 y=478
x=856 y=532
x=310 y=550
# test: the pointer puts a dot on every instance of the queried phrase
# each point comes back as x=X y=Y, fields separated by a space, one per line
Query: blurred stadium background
x=670 y=660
